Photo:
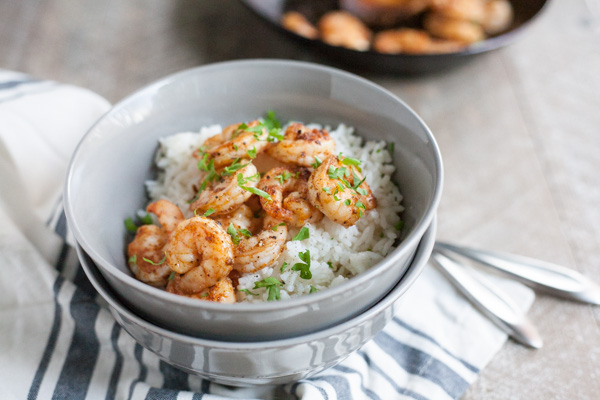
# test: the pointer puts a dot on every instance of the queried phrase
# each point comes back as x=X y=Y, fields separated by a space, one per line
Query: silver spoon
x=492 y=302
x=544 y=276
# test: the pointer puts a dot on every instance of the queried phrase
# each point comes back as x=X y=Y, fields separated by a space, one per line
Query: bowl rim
x=414 y=270
x=407 y=244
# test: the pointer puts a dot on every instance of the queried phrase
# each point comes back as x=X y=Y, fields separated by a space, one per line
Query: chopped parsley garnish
x=361 y=191
x=304 y=233
x=336 y=198
x=208 y=212
x=283 y=267
x=326 y=189
x=205 y=294
x=271 y=121
x=233 y=233
x=241 y=181
x=347 y=202
x=245 y=232
x=303 y=267
x=313 y=289
x=212 y=176
x=330 y=264
x=317 y=162
x=146 y=219
x=261 y=128
x=278 y=225
x=235 y=147
x=283 y=177
x=338 y=173
x=133 y=259
x=399 y=225
x=251 y=153
x=235 y=165
x=272 y=286
x=172 y=276
x=248 y=292
x=391 y=148
x=156 y=263
x=130 y=225
x=351 y=161
x=361 y=207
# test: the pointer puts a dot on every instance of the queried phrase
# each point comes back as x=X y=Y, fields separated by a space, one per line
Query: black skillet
x=371 y=61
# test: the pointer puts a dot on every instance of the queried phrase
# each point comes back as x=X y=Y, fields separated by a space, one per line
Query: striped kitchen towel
x=59 y=341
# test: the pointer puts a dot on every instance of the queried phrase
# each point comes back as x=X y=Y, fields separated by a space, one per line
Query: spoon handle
x=493 y=303
x=547 y=277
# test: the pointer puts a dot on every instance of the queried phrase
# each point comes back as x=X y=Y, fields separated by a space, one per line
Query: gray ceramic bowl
x=268 y=362
x=105 y=184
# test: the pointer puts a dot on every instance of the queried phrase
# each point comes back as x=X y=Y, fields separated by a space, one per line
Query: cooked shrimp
x=288 y=189
x=226 y=194
x=295 y=22
x=300 y=145
x=498 y=16
x=468 y=10
x=261 y=250
x=169 y=215
x=242 y=218
x=340 y=28
x=412 y=41
x=234 y=143
x=220 y=292
x=327 y=190
x=453 y=29
x=150 y=243
x=200 y=252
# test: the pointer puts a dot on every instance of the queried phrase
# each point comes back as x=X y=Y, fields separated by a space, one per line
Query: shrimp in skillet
x=263 y=249
x=200 y=253
x=288 y=189
x=338 y=189
x=226 y=193
x=300 y=145
x=234 y=143
x=147 y=250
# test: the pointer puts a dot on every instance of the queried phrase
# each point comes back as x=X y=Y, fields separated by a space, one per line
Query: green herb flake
x=235 y=147
x=351 y=161
x=303 y=267
x=203 y=163
x=271 y=121
x=130 y=225
x=236 y=165
x=304 y=233
x=362 y=191
x=245 y=232
x=208 y=212
x=172 y=276
x=158 y=263
x=278 y=225
x=248 y=292
x=205 y=294
x=329 y=264
x=326 y=189
x=132 y=260
x=317 y=162
x=336 y=198
x=233 y=233
x=399 y=225
x=313 y=289
x=146 y=219
x=272 y=286
x=390 y=148
x=251 y=153
x=283 y=177
x=283 y=267
x=347 y=202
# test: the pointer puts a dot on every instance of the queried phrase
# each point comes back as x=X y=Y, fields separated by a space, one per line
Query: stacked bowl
x=258 y=343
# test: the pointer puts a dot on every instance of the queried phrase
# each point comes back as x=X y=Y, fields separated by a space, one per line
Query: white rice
x=349 y=251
